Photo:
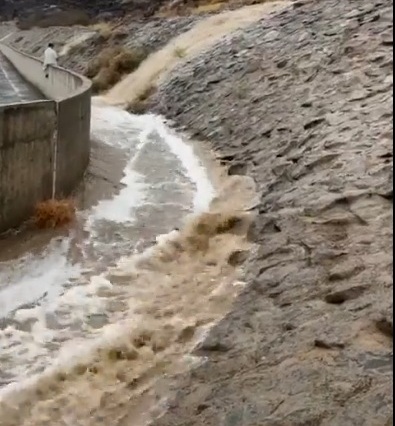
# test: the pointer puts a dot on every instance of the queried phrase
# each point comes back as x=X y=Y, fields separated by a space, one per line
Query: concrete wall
x=72 y=95
x=60 y=84
x=74 y=115
x=26 y=146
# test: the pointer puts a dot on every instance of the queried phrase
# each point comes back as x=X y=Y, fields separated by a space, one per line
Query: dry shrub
x=54 y=213
x=105 y=29
x=111 y=64
x=102 y=60
x=74 y=49
x=106 y=78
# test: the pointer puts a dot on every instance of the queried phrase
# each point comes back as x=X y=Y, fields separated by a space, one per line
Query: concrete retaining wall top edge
x=26 y=104
x=85 y=84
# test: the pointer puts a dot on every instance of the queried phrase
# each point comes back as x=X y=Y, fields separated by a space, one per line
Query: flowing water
x=124 y=280
x=92 y=319
x=203 y=35
x=57 y=296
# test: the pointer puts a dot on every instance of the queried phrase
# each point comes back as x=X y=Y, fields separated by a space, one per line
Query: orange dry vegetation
x=108 y=67
x=54 y=213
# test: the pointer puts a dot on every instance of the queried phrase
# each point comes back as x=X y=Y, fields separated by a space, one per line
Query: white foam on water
x=127 y=264
x=77 y=303
x=72 y=353
x=115 y=127
x=120 y=208
x=33 y=276
x=204 y=192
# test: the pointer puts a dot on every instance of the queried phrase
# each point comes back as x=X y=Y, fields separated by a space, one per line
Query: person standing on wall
x=50 y=58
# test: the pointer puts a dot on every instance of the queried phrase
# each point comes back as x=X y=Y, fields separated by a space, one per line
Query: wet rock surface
x=303 y=101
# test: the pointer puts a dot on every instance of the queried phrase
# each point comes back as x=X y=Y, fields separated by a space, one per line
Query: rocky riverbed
x=303 y=103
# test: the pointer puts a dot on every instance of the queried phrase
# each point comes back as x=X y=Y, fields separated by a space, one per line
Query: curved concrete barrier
x=64 y=131
x=26 y=151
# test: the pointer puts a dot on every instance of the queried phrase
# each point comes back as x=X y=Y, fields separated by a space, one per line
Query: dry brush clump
x=104 y=29
x=54 y=213
x=111 y=64
x=109 y=31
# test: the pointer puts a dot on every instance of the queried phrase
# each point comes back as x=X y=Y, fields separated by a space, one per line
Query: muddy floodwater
x=140 y=275
x=56 y=295
x=101 y=312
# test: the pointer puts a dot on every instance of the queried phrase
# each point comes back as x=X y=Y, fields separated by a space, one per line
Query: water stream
x=56 y=300
x=92 y=319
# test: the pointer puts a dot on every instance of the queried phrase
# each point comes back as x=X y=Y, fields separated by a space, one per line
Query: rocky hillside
x=11 y=9
x=69 y=12
x=30 y=13
x=303 y=103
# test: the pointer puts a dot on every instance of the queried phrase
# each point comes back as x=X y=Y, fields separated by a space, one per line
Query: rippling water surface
x=56 y=300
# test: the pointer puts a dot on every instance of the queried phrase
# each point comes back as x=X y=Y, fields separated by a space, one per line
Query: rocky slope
x=86 y=42
x=303 y=103
x=39 y=13
x=11 y=9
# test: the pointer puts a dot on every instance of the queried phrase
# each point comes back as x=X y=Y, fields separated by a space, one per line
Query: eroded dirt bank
x=303 y=103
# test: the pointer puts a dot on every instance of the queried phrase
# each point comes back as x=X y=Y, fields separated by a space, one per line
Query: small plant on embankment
x=54 y=213
x=111 y=65
x=104 y=29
